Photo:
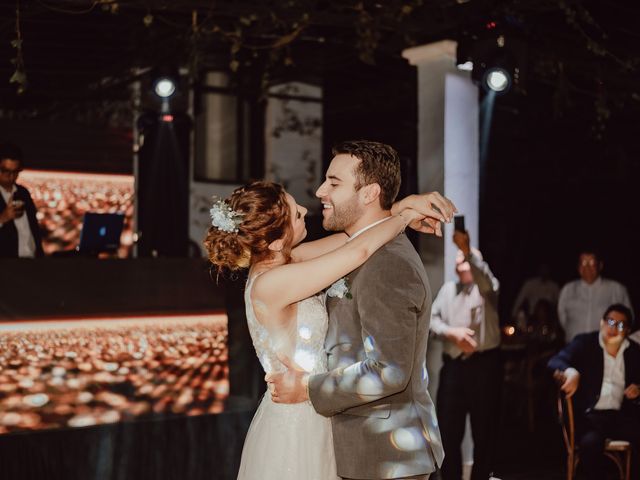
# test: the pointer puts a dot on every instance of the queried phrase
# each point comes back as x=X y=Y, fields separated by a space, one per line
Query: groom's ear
x=370 y=193
x=277 y=245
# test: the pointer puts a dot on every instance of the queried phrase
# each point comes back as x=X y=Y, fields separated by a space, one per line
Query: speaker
x=163 y=185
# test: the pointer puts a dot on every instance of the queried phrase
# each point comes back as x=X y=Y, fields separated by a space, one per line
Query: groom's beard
x=343 y=216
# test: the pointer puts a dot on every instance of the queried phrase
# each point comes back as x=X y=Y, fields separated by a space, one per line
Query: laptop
x=101 y=232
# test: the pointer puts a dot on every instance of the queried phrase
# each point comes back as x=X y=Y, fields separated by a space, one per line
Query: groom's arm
x=388 y=303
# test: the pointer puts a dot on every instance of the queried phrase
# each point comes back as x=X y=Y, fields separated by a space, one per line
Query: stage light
x=164 y=87
x=494 y=59
x=497 y=79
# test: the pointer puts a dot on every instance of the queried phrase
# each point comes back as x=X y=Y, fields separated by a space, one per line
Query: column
x=448 y=150
x=448 y=161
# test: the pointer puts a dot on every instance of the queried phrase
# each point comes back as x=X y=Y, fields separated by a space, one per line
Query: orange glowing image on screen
x=84 y=372
x=62 y=199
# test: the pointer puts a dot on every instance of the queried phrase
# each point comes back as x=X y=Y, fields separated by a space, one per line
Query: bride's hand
x=409 y=215
x=421 y=223
x=431 y=204
x=427 y=225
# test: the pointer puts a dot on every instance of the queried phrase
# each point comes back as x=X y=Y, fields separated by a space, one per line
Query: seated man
x=601 y=371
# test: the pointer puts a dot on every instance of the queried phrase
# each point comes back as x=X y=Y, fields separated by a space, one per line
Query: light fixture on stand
x=164 y=86
x=494 y=60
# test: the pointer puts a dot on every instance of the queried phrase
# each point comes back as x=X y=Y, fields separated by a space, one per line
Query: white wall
x=293 y=149
x=293 y=140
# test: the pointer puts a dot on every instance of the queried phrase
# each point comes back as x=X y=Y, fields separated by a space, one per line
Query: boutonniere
x=340 y=289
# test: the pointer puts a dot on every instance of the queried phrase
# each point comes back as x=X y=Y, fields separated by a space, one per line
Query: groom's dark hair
x=379 y=163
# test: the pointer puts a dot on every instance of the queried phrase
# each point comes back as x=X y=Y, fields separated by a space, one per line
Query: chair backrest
x=567 y=421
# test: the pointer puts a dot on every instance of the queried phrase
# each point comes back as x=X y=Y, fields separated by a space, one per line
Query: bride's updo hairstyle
x=259 y=214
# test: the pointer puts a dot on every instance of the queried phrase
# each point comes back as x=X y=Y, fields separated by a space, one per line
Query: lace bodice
x=304 y=341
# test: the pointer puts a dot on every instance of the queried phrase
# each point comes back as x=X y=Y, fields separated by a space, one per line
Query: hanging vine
x=20 y=74
x=258 y=43
x=581 y=21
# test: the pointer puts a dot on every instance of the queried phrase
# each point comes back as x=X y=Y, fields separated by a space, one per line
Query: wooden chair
x=618 y=451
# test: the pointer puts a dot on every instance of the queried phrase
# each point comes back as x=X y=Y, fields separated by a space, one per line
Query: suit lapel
x=629 y=366
x=343 y=323
x=599 y=365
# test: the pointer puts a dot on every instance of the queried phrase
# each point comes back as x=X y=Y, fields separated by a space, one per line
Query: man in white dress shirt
x=582 y=301
x=600 y=370
x=534 y=290
x=465 y=315
x=19 y=230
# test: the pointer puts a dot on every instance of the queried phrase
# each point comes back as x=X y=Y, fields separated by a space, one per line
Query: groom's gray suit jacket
x=384 y=422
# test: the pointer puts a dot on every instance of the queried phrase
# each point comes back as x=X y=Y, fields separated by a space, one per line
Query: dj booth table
x=206 y=447
x=166 y=446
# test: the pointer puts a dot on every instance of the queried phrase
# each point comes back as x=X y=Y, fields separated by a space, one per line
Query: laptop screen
x=101 y=232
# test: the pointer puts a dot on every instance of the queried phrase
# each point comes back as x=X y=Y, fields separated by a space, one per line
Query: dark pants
x=470 y=386
x=594 y=429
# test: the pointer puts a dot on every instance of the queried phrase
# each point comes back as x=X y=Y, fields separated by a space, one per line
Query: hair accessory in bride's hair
x=224 y=218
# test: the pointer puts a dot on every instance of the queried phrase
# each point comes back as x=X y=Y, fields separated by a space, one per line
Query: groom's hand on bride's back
x=289 y=386
x=435 y=208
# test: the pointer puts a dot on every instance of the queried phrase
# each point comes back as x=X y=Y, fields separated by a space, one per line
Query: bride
x=261 y=227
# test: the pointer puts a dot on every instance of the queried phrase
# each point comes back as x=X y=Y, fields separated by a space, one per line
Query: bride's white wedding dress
x=289 y=442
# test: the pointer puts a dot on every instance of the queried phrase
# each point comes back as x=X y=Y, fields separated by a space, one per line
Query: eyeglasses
x=619 y=324
x=9 y=171
x=588 y=263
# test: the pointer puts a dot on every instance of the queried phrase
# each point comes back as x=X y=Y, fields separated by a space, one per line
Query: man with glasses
x=19 y=230
x=582 y=301
x=601 y=372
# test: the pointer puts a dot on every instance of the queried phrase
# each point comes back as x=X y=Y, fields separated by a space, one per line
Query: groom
x=384 y=422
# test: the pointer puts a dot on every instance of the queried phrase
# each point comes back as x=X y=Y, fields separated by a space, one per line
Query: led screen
x=79 y=373
x=62 y=199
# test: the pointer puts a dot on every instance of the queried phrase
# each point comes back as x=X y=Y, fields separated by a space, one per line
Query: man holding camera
x=19 y=230
x=465 y=315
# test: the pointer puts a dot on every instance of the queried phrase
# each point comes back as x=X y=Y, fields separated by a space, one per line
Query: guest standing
x=539 y=288
x=19 y=230
x=465 y=314
x=582 y=301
